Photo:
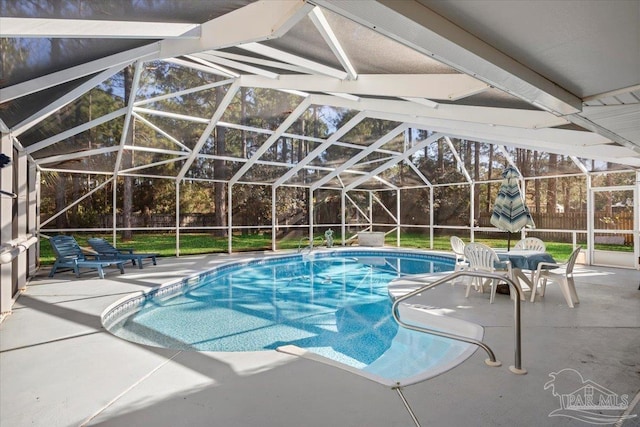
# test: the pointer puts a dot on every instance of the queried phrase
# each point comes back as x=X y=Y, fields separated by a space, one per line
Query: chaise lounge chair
x=70 y=255
x=107 y=251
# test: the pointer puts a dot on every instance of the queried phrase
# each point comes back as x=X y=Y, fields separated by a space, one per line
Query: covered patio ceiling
x=554 y=76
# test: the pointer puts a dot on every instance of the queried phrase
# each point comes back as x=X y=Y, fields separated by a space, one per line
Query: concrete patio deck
x=60 y=367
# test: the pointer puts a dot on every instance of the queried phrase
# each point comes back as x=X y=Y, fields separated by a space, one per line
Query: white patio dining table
x=524 y=260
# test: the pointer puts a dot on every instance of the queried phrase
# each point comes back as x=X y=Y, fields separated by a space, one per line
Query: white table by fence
x=524 y=260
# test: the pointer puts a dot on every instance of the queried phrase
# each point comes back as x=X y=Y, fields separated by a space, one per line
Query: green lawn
x=192 y=244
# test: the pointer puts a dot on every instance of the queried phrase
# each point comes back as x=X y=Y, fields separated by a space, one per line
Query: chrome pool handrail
x=310 y=246
x=517 y=367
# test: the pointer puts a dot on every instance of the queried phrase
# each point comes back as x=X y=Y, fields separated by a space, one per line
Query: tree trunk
x=552 y=185
x=536 y=182
x=61 y=189
x=219 y=196
x=243 y=119
x=127 y=162
x=440 y=156
x=490 y=171
x=219 y=174
x=476 y=174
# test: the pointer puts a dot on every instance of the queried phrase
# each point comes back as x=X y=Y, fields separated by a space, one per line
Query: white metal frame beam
x=322 y=25
x=364 y=214
x=431 y=86
x=415 y=25
x=548 y=140
x=364 y=153
x=207 y=67
x=128 y=117
x=377 y=200
x=61 y=102
x=75 y=202
x=222 y=107
x=286 y=124
x=93 y=28
x=262 y=20
x=168 y=114
x=488 y=117
x=220 y=61
x=322 y=147
x=151 y=165
x=118 y=60
x=503 y=150
x=258 y=21
x=456 y=155
x=161 y=132
x=74 y=131
x=76 y=155
x=252 y=60
x=311 y=66
x=182 y=92
x=594 y=127
x=394 y=161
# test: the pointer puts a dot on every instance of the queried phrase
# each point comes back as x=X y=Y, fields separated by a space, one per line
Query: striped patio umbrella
x=510 y=213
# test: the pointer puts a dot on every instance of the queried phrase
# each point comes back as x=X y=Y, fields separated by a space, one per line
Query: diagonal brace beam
x=290 y=120
x=410 y=152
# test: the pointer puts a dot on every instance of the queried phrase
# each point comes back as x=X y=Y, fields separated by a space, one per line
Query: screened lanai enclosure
x=285 y=119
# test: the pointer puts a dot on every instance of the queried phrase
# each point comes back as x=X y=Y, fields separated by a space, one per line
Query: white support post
x=590 y=224
x=21 y=224
x=398 y=217
x=274 y=218
x=431 y=217
x=33 y=217
x=114 y=207
x=370 y=213
x=6 y=233
x=177 y=218
x=523 y=192
x=636 y=222
x=229 y=219
x=472 y=211
x=311 y=214
x=343 y=215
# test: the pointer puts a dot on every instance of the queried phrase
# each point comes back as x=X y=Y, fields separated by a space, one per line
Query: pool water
x=334 y=306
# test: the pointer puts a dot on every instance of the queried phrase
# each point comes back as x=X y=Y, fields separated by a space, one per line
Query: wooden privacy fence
x=575 y=221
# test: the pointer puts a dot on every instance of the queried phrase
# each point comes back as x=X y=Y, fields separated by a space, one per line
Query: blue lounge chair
x=107 y=251
x=70 y=255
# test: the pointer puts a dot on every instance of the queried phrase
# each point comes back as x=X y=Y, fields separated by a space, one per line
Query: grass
x=195 y=243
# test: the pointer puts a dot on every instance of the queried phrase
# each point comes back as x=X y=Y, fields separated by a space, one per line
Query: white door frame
x=636 y=221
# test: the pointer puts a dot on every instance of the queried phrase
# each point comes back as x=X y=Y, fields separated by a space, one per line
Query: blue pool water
x=336 y=305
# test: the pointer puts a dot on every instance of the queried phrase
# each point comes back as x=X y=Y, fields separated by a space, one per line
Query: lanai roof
x=554 y=76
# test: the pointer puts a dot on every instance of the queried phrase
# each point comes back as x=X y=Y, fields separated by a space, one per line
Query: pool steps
x=423 y=283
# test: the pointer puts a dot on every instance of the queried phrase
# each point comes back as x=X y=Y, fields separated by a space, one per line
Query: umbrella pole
x=508 y=240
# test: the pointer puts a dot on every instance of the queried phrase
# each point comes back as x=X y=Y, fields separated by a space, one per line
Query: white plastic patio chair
x=484 y=259
x=531 y=244
x=457 y=246
x=562 y=274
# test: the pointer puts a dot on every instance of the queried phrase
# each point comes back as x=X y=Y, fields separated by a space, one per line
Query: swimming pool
x=332 y=306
